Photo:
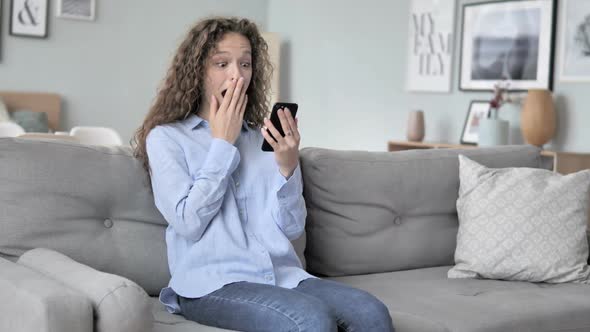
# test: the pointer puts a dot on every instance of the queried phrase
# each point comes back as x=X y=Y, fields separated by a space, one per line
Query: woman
x=232 y=209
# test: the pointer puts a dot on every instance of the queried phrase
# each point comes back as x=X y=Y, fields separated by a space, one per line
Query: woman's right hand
x=226 y=120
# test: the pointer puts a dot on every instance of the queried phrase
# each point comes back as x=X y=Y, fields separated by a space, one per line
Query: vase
x=512 y=112
x=538 y=117
x=493 y=132
x=415 y=128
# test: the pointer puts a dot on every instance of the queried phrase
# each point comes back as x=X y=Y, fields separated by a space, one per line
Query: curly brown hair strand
x=180 y=93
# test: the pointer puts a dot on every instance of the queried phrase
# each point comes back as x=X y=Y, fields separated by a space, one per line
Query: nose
x=235 y=72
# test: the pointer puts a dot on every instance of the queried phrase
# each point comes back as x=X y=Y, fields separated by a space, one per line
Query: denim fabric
x=314 y=305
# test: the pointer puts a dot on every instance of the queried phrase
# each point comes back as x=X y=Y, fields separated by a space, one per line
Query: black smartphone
x=274 y=119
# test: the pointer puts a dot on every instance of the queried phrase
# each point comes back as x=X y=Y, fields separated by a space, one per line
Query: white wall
x=344 y=62
x=108 y=70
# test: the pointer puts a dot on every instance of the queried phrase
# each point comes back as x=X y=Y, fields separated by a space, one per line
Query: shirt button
x=108 y=223
x=268 y=278
x=237 y=183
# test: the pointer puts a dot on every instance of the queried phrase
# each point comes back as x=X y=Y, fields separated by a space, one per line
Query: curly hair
x=183 y=87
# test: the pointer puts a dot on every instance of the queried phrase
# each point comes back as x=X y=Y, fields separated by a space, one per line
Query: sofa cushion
x=31 y=121
x=119 y=304
x=371 y=212
x=426 y=300
x=522 y=224
x=167 y=322
x=91 y=203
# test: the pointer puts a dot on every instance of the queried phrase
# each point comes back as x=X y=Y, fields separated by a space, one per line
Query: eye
x=221 y=64
x=246 y=64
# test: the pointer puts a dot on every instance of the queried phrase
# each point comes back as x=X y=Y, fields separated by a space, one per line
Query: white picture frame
x=430 y=46
x=478 y=110
x=574 y=58
x=28 y=18
x=499 y=41
x=1 y=25
x=76 y=9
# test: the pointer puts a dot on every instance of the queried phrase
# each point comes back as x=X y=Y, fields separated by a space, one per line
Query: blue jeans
x=314 y=305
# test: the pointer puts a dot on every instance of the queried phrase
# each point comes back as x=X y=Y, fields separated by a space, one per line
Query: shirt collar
x=194 y=121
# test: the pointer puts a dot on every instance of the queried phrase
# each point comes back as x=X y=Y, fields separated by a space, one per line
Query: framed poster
x=76 y=9
x=508 y=40
x=1 y=15
x=430 y=45
x=574 y=41
x=478 y=109
x=28 y=18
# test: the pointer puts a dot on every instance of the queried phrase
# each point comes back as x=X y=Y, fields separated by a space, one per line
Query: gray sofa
x=382 y=222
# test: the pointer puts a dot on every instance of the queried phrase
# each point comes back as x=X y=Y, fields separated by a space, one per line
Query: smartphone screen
x=274 y=119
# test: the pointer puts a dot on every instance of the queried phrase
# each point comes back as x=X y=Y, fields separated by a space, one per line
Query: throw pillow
x=120 y=305
x=522 y=224
x=31 y=121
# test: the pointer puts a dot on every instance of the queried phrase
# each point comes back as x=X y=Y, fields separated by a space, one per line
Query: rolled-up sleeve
x=290 y=212
x=189 y=203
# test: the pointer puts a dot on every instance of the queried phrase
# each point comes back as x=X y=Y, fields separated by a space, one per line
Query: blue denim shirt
x=230 y=212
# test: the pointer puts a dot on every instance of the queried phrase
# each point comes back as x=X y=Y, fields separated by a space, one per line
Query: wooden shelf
x=562 y=162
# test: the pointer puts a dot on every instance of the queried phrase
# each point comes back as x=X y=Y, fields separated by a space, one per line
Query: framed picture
x=574 y=41
x=28 y=18
x=508 y=40
x=76 y=9
x=430 y=45
x=478 y=109
x=1 y=14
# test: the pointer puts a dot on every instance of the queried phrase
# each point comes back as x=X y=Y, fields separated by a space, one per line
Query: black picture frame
x=477 y=110
x=45 y=25
x=546 y=53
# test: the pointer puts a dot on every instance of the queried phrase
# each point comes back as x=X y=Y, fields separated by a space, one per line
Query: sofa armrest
x=32 y=302
x=119 y=304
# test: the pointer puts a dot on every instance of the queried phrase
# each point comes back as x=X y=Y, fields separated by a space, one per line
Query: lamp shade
x=538 y=117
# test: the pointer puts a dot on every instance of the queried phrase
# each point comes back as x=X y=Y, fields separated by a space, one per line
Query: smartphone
x=274 y=119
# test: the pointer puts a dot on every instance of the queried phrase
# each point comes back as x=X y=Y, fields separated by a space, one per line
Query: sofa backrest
x=371 y=212
x=91 y=203
x=367 y=211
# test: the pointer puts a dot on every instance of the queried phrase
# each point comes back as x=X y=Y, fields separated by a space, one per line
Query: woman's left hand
x=286 y=148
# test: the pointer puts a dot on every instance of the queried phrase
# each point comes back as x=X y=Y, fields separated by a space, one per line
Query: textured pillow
x=32 y=122
x=522 y=224
x=120 y=305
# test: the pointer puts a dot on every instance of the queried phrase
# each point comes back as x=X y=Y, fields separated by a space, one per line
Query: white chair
x=10 y=129
x=96 y=135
